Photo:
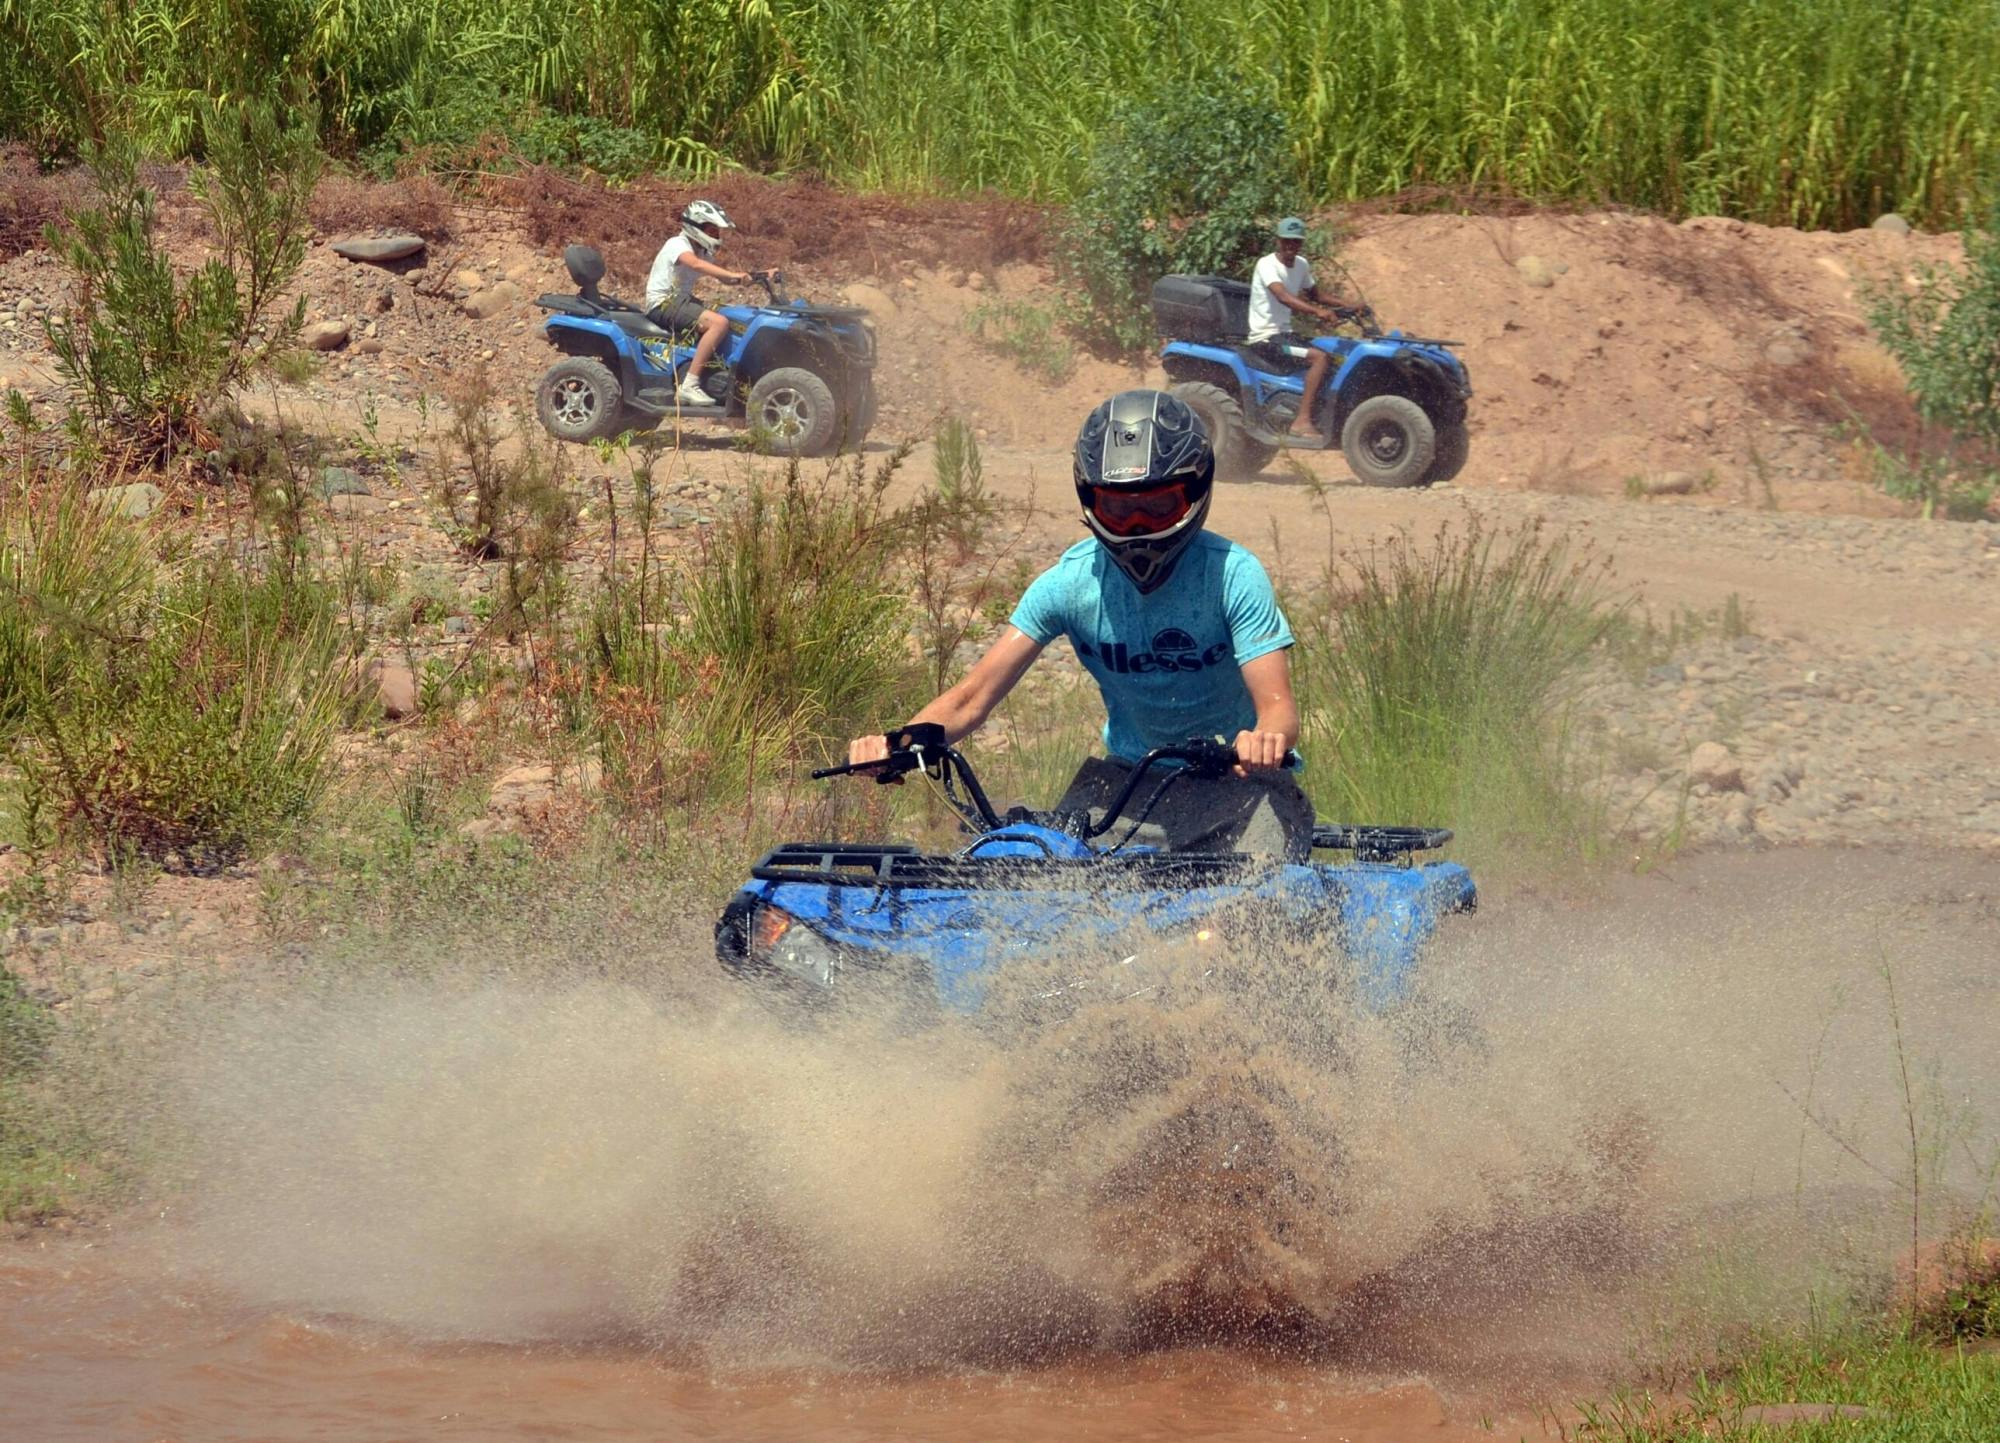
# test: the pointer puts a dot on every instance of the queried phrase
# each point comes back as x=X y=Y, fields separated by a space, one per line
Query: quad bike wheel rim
x=1386 y=442
x=787 y=412
x=575 y=401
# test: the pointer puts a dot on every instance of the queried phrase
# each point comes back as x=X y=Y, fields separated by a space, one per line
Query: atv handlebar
x=770 y=280
x=922 y=746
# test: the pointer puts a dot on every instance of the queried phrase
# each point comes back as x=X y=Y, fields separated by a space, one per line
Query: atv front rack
x=895 y=864
x=1379 y=844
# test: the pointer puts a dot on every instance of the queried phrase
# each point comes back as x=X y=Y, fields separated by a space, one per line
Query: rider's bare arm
x=964 y=708
x=1269 y=678
x=1311 y=307
x=708 y=267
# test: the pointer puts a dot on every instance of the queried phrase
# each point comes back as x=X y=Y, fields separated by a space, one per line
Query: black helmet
x=1144 y=471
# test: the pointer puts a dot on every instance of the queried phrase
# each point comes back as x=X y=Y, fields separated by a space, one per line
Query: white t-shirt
x=1270 y=316
x=671 y=277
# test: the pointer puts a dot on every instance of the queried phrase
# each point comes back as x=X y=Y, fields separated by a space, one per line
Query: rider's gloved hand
x=1259 y=751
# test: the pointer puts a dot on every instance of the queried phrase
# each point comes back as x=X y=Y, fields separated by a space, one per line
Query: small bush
x=1187 y=179
x=507 y=502
x=206 y=735
x=778 y=637
x=74 y=580
x=1029 y=335
x=1946 y=337
x=1435 y=687
x=148 y=351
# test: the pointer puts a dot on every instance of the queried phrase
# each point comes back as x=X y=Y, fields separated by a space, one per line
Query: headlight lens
x=786 y=943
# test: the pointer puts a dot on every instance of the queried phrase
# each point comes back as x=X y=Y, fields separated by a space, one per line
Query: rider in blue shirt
x=1179 y=627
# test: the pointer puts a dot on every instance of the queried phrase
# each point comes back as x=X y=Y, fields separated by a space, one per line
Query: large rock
x=378 y=247
x=1891 y=224
x=324 y=335
x=1536 y=271
x=523 y=792
x=137 y=501
x=1713 y=764
x=493 y=300
x=1669 y=483
x=339 y=481
x=870 y=299
x=396 y=689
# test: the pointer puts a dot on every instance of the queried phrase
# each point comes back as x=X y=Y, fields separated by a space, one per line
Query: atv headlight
x=781 y=940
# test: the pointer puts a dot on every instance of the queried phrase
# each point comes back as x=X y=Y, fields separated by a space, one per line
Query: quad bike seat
x=1274 y=357
x=634 y=322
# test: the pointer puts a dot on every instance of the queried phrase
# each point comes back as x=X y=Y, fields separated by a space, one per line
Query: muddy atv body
x=802 y=375
x=819 y=918
x=1395 y=405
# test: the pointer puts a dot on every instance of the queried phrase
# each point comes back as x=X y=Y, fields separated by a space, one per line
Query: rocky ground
x=1808 y=663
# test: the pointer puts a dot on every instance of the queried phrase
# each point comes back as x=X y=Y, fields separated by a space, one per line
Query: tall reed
x=1807 y=112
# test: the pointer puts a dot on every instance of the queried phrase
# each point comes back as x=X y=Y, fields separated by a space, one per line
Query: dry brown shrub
x=801 y=220
x=417 y=203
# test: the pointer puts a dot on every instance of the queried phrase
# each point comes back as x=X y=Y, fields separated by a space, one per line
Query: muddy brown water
x=489 y=1206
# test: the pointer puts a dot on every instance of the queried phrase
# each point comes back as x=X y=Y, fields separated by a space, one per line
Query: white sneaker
x=690 y=393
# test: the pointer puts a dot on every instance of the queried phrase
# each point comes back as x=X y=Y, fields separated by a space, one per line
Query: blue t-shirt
x=1169 y=664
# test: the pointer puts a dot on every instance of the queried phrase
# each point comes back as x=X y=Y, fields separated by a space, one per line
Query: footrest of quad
x=666 y=403
x=1289 y=442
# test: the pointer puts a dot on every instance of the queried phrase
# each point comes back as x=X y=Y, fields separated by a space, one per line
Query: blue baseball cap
x=1291 y=228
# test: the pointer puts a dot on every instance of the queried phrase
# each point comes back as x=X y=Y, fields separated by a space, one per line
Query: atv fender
x=584 y=337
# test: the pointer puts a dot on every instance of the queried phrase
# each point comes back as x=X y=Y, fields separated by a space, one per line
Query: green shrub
x=1946 y=337
x=74 y=581
x=204 y=736
x=1436 y=685
x=775 y=639
x=148 y=351
x=1029 y=335
x=1188 y=179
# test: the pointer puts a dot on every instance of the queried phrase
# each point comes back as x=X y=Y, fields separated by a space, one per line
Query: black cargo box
x=1201 y=308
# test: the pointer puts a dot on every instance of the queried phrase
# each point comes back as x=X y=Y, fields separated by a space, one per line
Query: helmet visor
x=1140 y=512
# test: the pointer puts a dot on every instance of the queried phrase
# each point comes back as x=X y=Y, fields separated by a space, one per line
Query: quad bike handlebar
x=922 y=746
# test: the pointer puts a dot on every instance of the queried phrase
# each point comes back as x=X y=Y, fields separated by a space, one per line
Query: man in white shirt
x=1283 y=283
x=670 y=299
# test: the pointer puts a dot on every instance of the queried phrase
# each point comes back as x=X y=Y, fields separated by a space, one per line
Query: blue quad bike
x=1394 y=404
x=937 y=932
x=801 y=374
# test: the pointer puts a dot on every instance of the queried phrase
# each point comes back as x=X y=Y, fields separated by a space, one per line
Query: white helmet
x=698 y=214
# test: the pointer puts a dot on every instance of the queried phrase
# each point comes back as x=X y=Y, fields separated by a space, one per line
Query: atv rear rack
x=894 y=864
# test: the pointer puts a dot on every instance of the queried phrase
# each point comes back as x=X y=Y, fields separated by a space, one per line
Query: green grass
x=1029 y=335
x=1436 y=682
x=1915 y=1391
x=1808 y=112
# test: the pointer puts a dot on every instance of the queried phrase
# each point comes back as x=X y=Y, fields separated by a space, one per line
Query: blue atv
x=1395 y=404
x=939 y=933
x=803 y=375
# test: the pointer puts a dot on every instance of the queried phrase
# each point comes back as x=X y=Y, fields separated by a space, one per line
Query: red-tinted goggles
x=1139 y=513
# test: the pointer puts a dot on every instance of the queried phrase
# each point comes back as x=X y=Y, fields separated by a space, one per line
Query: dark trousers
x=1265 y=813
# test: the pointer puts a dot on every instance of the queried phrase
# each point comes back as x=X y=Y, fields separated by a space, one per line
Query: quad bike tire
x=1454 y=448
x=1389 y=441
x=1238 y=456
x=860 y=417
x=578 y=399
x=795 y=411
